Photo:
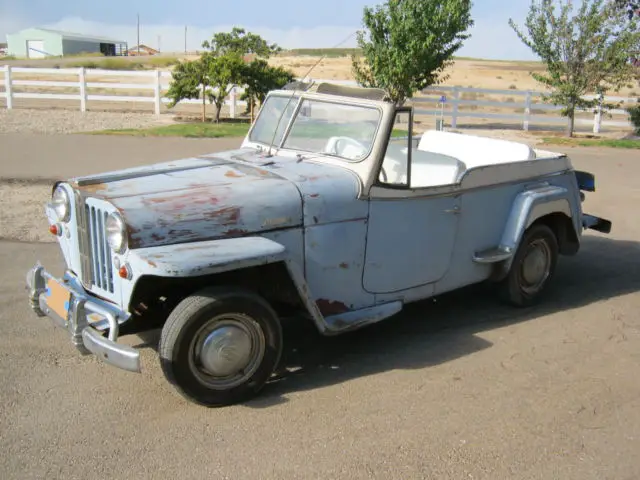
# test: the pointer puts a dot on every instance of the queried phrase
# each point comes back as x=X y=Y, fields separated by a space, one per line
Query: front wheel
x=533 y=267
x=220 y=346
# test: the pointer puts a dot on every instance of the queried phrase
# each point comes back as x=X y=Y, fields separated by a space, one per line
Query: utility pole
x=159 y=39
x=138 y=34
x=185 y=39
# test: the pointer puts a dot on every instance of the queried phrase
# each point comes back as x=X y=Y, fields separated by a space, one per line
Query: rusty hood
x=201 y=198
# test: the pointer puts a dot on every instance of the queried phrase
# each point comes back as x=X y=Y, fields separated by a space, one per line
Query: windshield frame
x=320 y=98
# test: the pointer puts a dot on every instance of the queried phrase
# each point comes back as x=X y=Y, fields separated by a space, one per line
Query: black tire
x=206 y=309
x=514 y=288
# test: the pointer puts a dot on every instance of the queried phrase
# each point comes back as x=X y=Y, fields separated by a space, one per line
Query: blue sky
x=290 y=23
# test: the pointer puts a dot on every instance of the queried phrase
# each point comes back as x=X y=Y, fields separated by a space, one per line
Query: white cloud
x=489 y=39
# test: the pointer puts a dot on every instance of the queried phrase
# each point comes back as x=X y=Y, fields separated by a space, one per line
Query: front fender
x=205 y=258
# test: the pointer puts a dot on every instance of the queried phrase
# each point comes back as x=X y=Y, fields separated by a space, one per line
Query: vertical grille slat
x=98 y=256
x=100 y=250
x=107 y=248
x=94 y=246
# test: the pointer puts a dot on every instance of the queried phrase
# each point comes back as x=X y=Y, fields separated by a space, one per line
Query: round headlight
x=61 y=203
x=115 y=230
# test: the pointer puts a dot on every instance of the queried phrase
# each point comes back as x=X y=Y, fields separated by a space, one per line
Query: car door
x=411 y=231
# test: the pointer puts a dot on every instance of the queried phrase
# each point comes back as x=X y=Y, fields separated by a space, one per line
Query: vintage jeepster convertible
x=331 y=211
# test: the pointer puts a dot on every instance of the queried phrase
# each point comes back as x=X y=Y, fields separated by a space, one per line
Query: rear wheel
x=220 y=346
x=533 y=267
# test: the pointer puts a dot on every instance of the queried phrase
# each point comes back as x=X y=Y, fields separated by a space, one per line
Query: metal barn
x=43 y=43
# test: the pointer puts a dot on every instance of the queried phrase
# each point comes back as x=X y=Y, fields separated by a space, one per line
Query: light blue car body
x=337 y=244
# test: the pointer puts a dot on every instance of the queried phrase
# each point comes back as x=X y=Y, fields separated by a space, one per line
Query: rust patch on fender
x=93 y=188
x=232 y=174
x=314 y=195
x=328 y=307
x=152 y=263
x=226 y=215
x=344 y=265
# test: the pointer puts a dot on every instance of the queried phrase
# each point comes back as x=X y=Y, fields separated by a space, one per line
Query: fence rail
x=447 y=103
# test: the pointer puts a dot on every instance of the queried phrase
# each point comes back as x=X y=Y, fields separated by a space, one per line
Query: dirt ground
x=459 y=387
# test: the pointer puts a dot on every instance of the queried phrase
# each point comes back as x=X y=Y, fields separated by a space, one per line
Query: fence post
x=527 y=112
x=83 y=89
x=597 y=119
x=232 y=109
x=454 y=111
x=7 y=86
x=158 y=97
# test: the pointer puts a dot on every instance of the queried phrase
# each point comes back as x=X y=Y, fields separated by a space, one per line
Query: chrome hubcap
x=227 y=351
x=535 y=266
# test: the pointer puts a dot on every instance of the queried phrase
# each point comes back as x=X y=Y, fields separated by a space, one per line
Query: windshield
x=338 y=129
x=266 y=123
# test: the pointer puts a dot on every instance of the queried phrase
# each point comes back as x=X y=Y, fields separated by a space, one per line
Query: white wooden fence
x=445 y=101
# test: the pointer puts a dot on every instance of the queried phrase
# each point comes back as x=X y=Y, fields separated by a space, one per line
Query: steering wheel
x=333 y=146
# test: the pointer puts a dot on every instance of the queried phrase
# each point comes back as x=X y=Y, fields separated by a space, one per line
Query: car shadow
x=444 y=328
x=439 y=330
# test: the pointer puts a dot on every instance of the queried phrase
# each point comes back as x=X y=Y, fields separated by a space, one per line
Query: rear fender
x=532 y=205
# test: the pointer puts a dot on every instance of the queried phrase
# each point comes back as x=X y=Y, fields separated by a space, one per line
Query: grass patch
x=592 y=142
x=187 y=130
x=161 y=61
x=117 y=63
x=111 y=63
x=236 y=129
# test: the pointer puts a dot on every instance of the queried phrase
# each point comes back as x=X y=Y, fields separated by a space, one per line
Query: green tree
x=630 y=7
x=189 y=80
x=240 y=42
x=409 y=43
x=222 y=68
x=259 y=79
x=585 y=52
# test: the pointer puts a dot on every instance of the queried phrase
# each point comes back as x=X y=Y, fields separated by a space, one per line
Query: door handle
x=455 y=210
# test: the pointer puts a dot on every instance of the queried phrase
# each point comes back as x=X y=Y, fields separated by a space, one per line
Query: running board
x=344 y=322
x=493 y=255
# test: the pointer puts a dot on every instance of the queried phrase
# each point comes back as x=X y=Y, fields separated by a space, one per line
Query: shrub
x=634 y=115
x=513 y=87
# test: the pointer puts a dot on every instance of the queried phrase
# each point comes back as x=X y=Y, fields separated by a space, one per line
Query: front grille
x=101 y=263
x=95 y=253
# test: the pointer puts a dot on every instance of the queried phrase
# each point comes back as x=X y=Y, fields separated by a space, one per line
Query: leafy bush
x=634 y=115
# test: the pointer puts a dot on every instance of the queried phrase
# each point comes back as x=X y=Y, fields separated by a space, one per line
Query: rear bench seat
x=475 y=151
x=443 y=157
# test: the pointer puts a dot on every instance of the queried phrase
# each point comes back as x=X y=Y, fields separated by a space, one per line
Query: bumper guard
x=66 y=302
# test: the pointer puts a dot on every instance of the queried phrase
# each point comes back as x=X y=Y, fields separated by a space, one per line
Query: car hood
x=201 y=198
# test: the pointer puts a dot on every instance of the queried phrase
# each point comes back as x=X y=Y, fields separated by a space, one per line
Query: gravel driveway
x=66 y=121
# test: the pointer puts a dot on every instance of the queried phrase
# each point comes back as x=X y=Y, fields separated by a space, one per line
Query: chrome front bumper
x=67 y=303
